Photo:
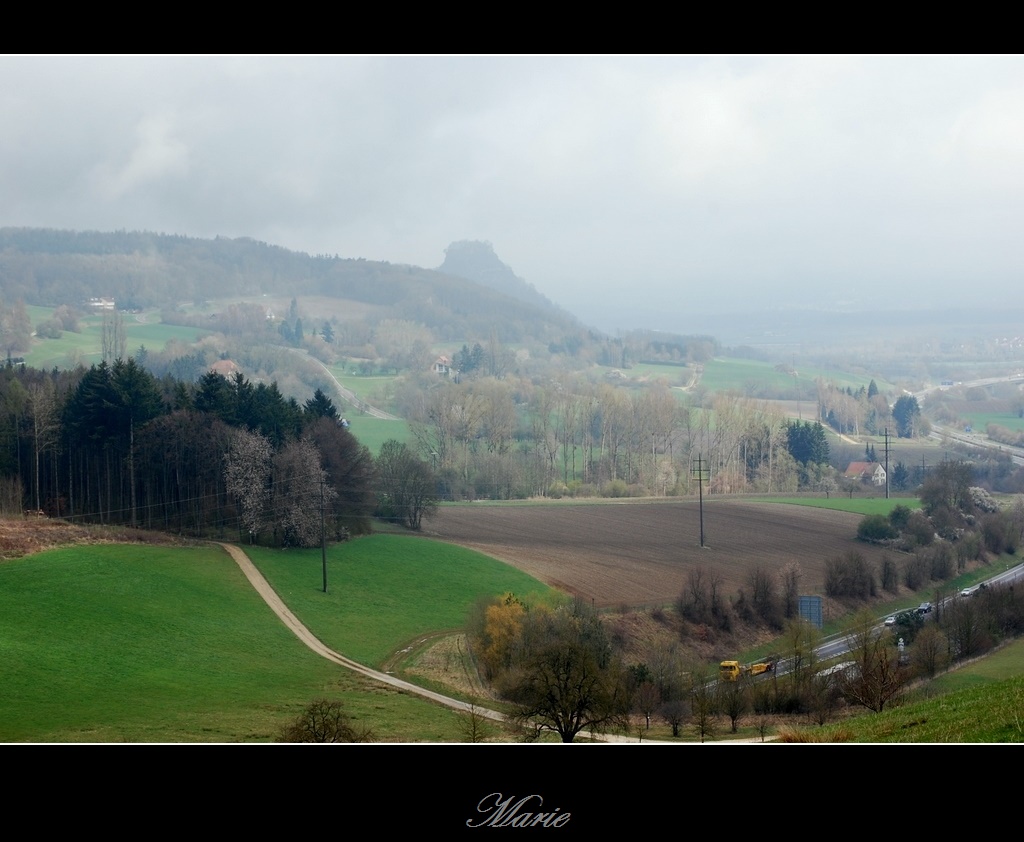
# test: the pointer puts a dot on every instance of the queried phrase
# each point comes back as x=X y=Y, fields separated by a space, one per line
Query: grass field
x=112 y=643
x=373 y=432
x=980 y=420
x=982 y=702
x=753 y=377
x=86 y=346
x=842 y=503
x=386 y=590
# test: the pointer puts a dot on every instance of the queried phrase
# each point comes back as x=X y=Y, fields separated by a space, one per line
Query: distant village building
x=102 y=304
x=871 y=472
x=443 y=366
x=225 y=368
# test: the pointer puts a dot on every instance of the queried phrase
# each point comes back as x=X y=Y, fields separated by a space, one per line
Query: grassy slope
x=384 y=591
x=113 y=643
x=86 y=346
x=977 y=703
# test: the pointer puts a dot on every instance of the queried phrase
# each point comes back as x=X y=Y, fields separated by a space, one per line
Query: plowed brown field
x=638 y=553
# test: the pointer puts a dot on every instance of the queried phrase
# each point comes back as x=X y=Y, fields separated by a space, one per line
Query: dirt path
x=348 y=394
x=270 y=596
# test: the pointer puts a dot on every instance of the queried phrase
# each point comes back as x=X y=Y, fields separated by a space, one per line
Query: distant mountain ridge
x=476 y=260
x=51 y=267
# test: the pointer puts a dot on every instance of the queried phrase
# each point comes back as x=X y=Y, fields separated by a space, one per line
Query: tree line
x=113 y=444
x=513 y=437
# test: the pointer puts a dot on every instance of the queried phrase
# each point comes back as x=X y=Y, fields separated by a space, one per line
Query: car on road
x=924 y=608
x=968 y=592
x=890 y=620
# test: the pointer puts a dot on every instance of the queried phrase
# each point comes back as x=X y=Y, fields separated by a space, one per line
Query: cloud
x=687 y=182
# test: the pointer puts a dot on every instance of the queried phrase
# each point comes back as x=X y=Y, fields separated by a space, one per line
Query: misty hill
x=476 y=261
x=140 y=270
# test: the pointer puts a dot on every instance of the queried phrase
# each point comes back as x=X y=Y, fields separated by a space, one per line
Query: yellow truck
x=734 y=670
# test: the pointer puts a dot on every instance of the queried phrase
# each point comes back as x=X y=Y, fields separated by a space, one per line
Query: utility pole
x=323 y=534
x=886 y=463
x=698 y=473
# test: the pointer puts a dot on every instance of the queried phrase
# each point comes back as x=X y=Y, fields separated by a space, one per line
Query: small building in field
x=225 y=368
x=443 y=366
x=867 y=472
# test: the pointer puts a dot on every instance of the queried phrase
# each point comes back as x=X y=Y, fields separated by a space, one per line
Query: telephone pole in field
x=700 y=474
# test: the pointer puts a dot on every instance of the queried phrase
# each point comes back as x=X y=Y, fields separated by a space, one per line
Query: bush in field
x=558 y=490
x=890 y=575
x=1000 y=533
x=615 y=488
x=940 y=561
x=899 y=516
x=982 y=500
x=920 y=529
x=968 y=548
x=49 y=329
x=876 y=528
x=850 y=576
x=323 y=721
x=916 y=571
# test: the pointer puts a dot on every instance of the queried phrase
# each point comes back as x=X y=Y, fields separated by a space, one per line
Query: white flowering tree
x=247 y=473
x=300 y=493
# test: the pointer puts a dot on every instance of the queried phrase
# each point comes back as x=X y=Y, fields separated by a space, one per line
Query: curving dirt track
x=638 y=553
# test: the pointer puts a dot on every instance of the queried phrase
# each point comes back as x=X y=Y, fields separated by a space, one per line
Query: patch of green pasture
x=86 y=347
x=385 y=590
x=841 y=503
x=1005 y=663
x=757 y=377
x=367 y=388
x=126 y=643
x=373 y=432
x=113 y=643
x=989 y=712
x=981 y=420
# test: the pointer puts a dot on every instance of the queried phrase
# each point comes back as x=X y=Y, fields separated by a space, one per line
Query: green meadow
x=114 y=643
x=86 y=347
x=373 y=432
x=384 y=591
x=841 y=503
x=754 y=376
x=982 y=702
x=981 y=420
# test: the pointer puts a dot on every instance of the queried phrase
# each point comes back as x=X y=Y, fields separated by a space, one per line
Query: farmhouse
x=443 y=366
x=871 y=472
x=225 y=368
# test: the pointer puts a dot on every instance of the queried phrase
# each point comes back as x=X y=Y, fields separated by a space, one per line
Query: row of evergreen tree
x=113 y=444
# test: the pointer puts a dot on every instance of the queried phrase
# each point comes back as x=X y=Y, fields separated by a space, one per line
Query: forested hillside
x=141 y=270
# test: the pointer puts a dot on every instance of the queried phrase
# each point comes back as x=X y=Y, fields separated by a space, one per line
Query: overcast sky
x=633 y=191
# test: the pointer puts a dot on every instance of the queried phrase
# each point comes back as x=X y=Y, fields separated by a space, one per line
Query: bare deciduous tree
x=929 y=652
x=323 y=721
x=734 y=700
x=703 y=702
x=646 y=700
x=878 y=678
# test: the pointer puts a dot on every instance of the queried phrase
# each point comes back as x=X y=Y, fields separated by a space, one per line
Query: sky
x=634 y=191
